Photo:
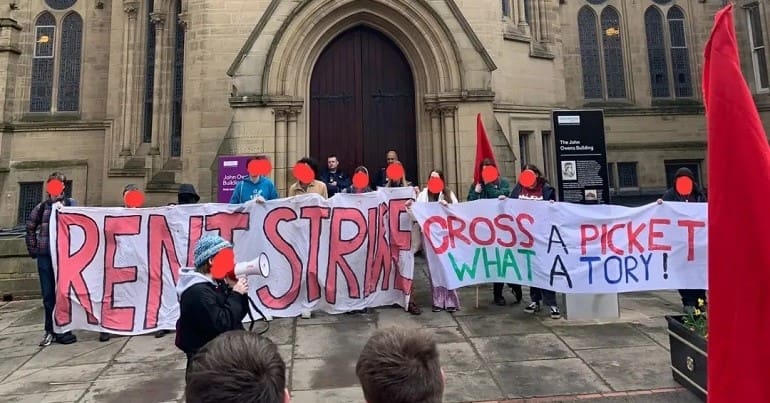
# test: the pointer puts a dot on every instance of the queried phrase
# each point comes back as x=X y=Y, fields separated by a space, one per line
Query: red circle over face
x=303 y=173
x=684 y=185
x=133 y=198
x=435 y=185
x=360 y=180
x=260 y=167
x=489 y=174
x=223 y=264
x=55 y=188
x=395 y=171
x=528 y=178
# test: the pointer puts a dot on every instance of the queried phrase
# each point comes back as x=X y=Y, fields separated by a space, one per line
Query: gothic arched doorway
x=362 y=103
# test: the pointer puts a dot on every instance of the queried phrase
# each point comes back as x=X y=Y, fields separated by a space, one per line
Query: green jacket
x=490 y=190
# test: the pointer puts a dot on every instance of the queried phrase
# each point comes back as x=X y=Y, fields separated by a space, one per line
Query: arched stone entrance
x=362 y=102
x=450 y=69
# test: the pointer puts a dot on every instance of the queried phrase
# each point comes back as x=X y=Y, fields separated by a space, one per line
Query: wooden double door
x=362 y=103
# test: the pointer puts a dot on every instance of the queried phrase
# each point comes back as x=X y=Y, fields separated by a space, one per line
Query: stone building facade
x=150 y=92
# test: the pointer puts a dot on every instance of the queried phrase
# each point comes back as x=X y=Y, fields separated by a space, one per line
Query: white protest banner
x=566 y=247
x=117 y=268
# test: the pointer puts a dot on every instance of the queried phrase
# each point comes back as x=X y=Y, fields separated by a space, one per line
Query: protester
x=352 y=188
x=540 y=190
x=381 y=178
x=187 y=194
x=443 y=299
x=313 y=186
x=38 y=247
x=336 y=181
x=208 y=308
x=401 y=365
x=690 y=297
x=254 y=187
x=492 y=190
x=237 y=366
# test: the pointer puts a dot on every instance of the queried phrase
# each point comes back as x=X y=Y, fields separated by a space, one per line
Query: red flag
x=739 y=224
x=483 y=148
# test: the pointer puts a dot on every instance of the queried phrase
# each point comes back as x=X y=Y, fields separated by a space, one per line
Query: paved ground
x=489 y=354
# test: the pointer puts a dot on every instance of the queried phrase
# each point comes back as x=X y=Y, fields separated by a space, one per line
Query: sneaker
x=104 y=336
x=532 y=307
x=306 y=315
x=555 y=313
x=160 y=333
x=66 y=338
x=437 y=308
x=47 y=340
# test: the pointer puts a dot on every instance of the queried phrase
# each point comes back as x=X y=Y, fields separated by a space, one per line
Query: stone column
x=449 y=134
x=160 y=91
x=280 y=162
x=543 y=19
x=436 y=143
x=129 y=94
x=292 y=136
x=521 y=7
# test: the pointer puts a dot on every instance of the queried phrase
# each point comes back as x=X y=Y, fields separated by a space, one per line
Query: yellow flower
x=696 y=312
x=701 y=302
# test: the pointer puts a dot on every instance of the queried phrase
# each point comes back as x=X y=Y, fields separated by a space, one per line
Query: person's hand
x=259 y=199
x=443 y=203
x=57 y=206
x=551 y=201
x=409 y=203
x=241 y=287
x=502 y=197
x=477 y=189
x=660 y=201
x=333 y=183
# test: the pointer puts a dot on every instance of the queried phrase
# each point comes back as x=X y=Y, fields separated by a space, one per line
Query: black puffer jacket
x=697 y=195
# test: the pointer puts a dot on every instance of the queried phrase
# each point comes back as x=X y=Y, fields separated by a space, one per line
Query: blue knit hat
x=207 y=247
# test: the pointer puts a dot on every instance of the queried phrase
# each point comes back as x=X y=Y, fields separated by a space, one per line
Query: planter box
x=688 y=356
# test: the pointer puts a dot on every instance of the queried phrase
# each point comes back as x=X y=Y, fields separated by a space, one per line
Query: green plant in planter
x=697 y=319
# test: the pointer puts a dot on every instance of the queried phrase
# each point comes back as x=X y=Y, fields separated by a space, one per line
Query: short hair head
x=237 y=366
x=56 y=175
x=311 y=163
x=400 y=366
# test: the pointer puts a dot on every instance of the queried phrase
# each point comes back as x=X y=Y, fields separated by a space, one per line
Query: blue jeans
x=47 y=288
x=547 y=296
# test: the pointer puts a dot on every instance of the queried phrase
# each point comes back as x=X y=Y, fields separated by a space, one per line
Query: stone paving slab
x=489 y=354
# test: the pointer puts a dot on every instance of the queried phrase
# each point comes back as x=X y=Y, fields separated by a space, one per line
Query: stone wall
x=18 y=273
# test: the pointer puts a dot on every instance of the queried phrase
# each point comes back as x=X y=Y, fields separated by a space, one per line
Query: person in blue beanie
x=208 y=307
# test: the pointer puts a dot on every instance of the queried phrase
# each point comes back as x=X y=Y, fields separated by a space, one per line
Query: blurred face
x=332 y=163
x=392 y=157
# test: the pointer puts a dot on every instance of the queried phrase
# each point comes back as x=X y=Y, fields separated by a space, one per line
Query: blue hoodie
x=247 y=190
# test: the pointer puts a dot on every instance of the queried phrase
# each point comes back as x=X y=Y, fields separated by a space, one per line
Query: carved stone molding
x=158 y=19
x=183 y=19
x=131 y=8
x=448 y=110
x=280 y=114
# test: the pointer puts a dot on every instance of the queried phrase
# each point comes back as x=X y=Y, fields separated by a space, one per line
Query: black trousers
x=497 y=290
x=690 y=297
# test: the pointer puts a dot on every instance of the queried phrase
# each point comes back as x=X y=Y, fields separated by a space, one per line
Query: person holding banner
x=38 y=247
x=360 y=182
x=256 y=186
x=306 y=172
x=208 y=308
x=687 y=190
x=492 y=186
x=436 y=191
x=533 y=186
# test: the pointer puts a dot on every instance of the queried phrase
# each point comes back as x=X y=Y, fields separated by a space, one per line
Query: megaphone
x=257 y=267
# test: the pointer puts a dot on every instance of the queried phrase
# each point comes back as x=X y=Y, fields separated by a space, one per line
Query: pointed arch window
x=149 y=76
x=41 y=91
x=667 y=53
x=69 y=63
x=602 y=65
x=56 y=64
x=178 y=83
